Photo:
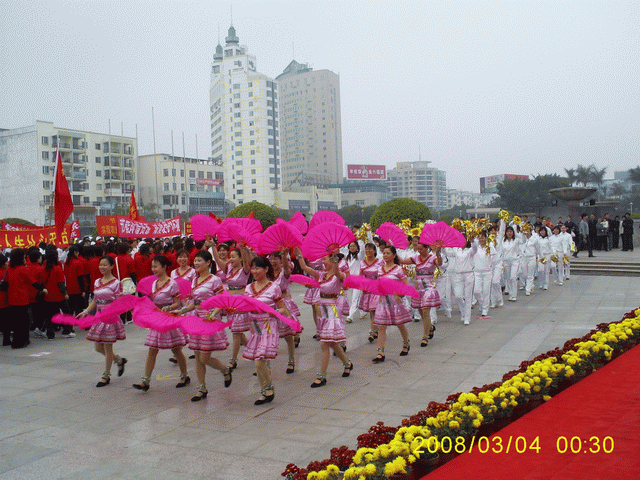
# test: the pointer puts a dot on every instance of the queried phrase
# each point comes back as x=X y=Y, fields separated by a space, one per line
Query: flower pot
x=423 y=466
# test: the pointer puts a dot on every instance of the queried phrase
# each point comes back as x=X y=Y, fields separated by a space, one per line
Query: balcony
x=79 y=175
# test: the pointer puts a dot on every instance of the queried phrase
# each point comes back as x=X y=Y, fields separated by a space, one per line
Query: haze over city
x=481 y=88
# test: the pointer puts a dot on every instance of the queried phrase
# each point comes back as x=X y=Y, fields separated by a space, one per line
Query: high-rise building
x=180 y=184
x=310 y=126
x=418 y=181
x=100 y=169
x=244 y=124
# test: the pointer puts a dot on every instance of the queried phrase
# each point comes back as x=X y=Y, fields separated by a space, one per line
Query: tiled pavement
x=54 y=423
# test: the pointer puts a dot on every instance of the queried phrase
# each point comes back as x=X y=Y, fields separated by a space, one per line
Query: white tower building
x=244 y=124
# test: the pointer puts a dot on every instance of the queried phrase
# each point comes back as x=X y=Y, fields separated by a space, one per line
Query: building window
x=45 y=140
x=240 y=192
x=45 y=170
x=182 y=173
x=97 y=146
x=209 y=175
x=250 y=84
x=46 y=184
x=253 y=190
x=165 y=172
x=98 y=173
x=173 y=172
x=166 y=187
x=45 y=155
x=98 y=160
x=192 y=173
x=98 y=186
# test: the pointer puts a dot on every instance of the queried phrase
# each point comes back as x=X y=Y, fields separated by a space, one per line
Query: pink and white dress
x=189 y=275
x=391 y=310
x=343 y=302
x=310 y=296
x=263 y=342
x=103 y=296
x=164 y=297
x=330 y=326
x=200 y=291
x=429 y=296
x=294 y=312
x=369 y=301
x=236 y=284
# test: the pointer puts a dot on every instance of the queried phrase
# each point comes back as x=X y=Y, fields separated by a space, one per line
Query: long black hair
x=16 y=257
x=51 y=257
x=393 y=250
x=351 y=255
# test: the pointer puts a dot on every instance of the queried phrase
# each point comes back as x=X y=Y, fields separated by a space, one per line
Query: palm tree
x=583 y=175
x=618 y=190
x=571 y=175
x=597 y=177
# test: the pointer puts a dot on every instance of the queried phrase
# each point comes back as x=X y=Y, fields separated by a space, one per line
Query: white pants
x=528 y=266
x=511 y=268
x=354 y=300
x=482 y=289
x=543 y=274
x=444 y=286
x=496 y=285
x=567 y=270
x=463 y=290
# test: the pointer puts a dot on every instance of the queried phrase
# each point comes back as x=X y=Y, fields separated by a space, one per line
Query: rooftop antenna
x=231 y=9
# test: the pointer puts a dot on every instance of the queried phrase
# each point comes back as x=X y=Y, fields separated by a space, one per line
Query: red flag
x=62 y=201
x=215 y=217
x=133 y=208
x=252 y=214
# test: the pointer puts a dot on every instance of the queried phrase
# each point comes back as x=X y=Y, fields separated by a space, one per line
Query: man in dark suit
x=627 y=233
x=593 y=233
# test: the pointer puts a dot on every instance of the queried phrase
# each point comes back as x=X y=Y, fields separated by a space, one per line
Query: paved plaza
x=54 y=423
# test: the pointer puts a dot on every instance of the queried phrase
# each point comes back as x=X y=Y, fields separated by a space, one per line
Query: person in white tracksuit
x=557 y=247
x=511 y=246
x=482 y=273
x=544 y=259
x=528 y=260
x=567 y=244
x=462 y=282
x=497 y=265
x=353 y=255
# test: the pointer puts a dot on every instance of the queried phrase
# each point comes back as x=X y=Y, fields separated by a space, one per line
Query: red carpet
x=605 y=404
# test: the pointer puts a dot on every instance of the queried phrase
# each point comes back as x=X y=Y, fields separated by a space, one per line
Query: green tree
x=634 y=174
x=398 y=209
x=151 y=212
x=352 y=214
x=266 y=214
x=525 y=196
x=19 y=221
x=447 y=218
x=368 y=213
x=459 y=211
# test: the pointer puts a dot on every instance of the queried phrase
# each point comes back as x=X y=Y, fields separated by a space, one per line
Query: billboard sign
x=366 y=172
x=490 y=184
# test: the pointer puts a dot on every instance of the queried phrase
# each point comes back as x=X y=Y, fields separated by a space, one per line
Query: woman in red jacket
x=55 y=298
x=75 y=280
x=18 y=298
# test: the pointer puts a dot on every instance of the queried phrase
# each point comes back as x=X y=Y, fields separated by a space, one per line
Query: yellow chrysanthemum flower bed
x=470 y=411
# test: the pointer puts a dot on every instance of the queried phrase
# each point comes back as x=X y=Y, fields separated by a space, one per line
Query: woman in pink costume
x=330 y=328
x=165 y=294
x=390 y=310
x=282 y=271
x=236 y=276
x=206 y=285
x=105 y=291
x=184 y=270
x=263 y=342
x=368 y=301
x=426 y=264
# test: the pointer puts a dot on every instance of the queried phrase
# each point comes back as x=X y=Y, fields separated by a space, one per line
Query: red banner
x=28 y=238
x=128 y=228
x=187 y=228
x=107 y=225
x=367 y=172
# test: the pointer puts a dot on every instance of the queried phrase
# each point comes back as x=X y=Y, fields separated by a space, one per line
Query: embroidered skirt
x=166 y=340
x=106 y=332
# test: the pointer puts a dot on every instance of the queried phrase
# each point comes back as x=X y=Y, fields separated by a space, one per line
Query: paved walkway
x=54 y=423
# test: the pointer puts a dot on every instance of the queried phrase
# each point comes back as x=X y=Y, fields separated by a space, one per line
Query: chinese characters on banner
x=106 y=225
x=367 y=172
x=28 y=238
x=128 y=228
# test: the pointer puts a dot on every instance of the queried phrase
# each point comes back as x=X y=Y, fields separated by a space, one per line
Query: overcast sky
x=482 y=88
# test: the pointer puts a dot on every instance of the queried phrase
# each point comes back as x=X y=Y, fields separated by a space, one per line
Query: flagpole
x=155 y=160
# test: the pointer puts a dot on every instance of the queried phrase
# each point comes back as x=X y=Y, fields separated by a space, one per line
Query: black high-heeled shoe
x=144 y=386
x=202 y=393
x=104 y=381
x=425 y=341
x=380 y=357
x=347 y=370
x=405 y=350
x=291 y=366
x=319 y=382
x=184 y=381
x=265 y=399
x=432 y=330
x=226 y=374
x=174 y=360
x=121 y=365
